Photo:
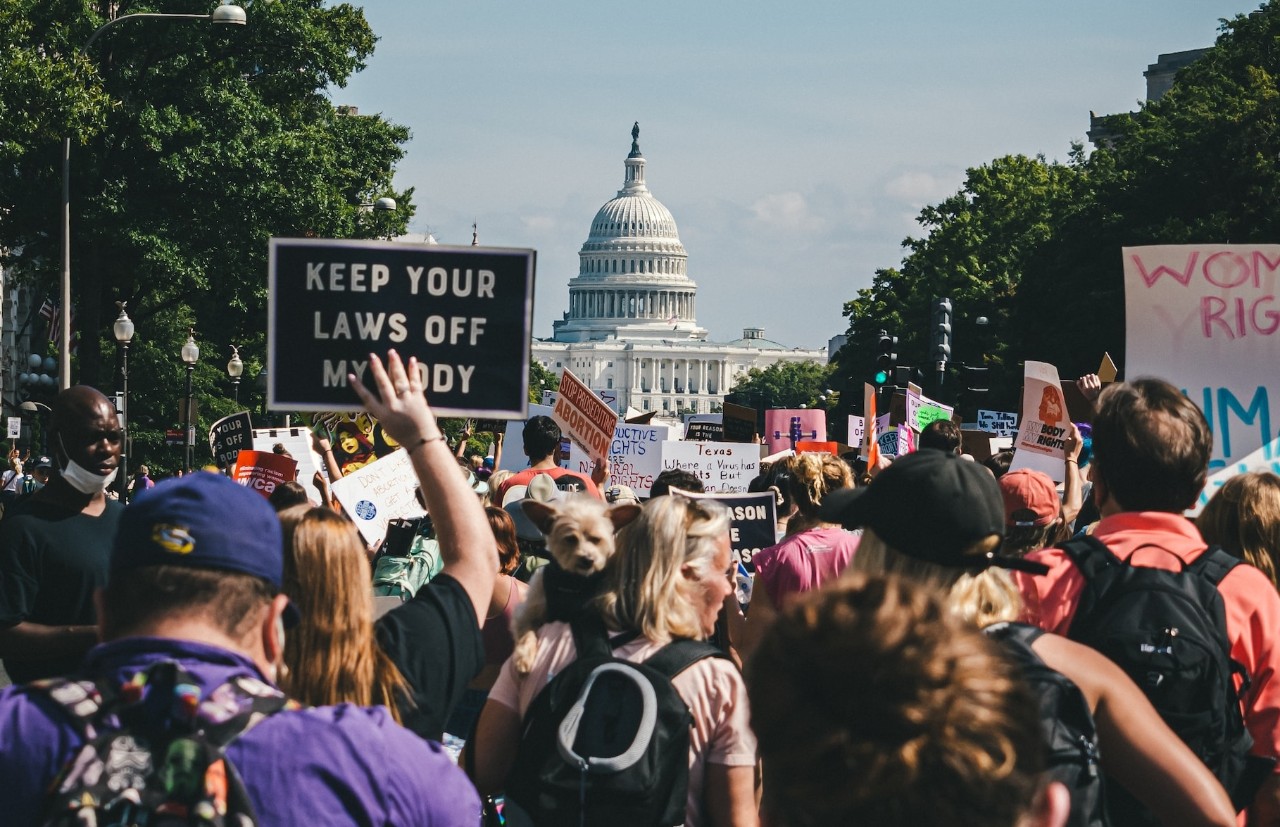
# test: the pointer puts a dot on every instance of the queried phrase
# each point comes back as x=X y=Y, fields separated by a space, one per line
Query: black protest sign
x=464 y=312
x=229 y=436
x=704 y=432
x=739 y=423
x=753 y=522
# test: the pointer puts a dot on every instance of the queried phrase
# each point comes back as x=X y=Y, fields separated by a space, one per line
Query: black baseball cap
x=930 y=505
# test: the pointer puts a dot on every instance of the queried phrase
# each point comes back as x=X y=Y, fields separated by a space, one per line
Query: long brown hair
x=1244 y=518
x=331 y=655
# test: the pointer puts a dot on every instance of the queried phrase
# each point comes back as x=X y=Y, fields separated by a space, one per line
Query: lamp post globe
x=123 y=330
x=235 y=369
x=190 y=355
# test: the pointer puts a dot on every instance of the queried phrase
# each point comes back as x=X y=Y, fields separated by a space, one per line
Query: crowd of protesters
x=887 y=668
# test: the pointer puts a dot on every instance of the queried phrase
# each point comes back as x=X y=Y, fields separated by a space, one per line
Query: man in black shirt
x=54 y=544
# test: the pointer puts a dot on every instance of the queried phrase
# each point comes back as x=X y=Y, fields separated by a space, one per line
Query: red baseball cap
x=1030 y=498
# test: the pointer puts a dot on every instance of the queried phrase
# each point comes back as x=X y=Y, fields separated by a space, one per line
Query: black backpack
x=1070 y=736
x=154 y=749
x=1168 y=631
x=607 y=740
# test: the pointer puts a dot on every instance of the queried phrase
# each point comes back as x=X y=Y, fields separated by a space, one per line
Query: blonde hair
x=813 y=476
x=331 y=655
x=1244 y=518
x=978 y=597
x=874 y=705
x=645 y=590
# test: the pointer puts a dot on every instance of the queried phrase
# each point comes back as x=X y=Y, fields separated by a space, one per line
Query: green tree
x=192 y=145
x=782 y=385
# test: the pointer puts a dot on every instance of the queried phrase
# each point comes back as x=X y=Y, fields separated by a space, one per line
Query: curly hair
x=1244 y=518
x=813 y=476
x=873 y=705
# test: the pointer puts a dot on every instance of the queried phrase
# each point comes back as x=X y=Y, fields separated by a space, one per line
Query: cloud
x=786 y=211
x=918 y=188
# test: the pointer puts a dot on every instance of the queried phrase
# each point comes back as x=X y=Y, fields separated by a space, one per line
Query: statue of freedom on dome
x=635 y=137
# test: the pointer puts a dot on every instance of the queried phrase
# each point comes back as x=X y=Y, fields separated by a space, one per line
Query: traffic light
x=886 y=357
x=940 y=339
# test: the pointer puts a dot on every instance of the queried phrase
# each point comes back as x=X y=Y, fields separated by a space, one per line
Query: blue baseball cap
x=202 y=520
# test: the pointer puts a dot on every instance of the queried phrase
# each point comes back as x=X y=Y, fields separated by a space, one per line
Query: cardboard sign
x=723 y=467
x=753 y=523
x=635 y=457
x=921 y=410
x=465 y=312
x=375 y=494
x=229 y=436
x=1000 y=423
x=976 y=444
x=784 y=427
x=1205 y=318
x=739 y=423
x=1107 y=371
x=263 y=471
x=15 y=427
x=584 y=417
x=1040 y=444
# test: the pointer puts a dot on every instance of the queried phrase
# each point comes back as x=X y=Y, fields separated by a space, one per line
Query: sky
x=794 y=144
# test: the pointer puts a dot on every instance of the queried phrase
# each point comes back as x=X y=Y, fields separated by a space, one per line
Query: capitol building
x=631 y=331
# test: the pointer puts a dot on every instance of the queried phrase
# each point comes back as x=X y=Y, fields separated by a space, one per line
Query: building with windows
x=631 y=330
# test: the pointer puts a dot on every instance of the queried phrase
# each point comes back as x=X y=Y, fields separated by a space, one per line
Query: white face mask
x=82 y=479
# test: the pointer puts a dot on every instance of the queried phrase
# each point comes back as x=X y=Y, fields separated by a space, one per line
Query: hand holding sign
x=401 y=405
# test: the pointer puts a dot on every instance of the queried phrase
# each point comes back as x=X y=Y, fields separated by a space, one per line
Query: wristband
x=424 y=440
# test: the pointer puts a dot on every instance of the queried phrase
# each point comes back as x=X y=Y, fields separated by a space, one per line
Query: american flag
x=52 y=313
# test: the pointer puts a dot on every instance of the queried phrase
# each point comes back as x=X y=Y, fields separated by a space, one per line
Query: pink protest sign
x=1205 y=317
x=263 y=471
x=783 y=426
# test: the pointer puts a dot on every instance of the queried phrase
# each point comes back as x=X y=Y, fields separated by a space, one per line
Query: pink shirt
x=713 y=689
x=803 y=562
x=1160 y=540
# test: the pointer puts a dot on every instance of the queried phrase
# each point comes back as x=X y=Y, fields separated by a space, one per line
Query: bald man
x=54 y=544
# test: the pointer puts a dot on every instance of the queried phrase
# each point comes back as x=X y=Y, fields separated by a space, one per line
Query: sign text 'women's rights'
x=1206 y=318
x=465 y=312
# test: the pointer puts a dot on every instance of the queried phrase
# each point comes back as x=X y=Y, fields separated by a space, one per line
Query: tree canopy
x=191 y=146
x=1034 y=245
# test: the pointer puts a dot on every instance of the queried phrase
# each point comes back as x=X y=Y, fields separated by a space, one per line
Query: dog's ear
x=623 y=513
x=542 y=514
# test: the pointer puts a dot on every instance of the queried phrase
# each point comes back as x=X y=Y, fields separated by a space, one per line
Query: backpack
x=606 y=741
x=154 y=750
x=1168 y=631
x=1070 y=736
x=403 y=576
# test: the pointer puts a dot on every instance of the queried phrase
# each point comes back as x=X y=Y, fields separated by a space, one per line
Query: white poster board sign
x=1205 y=317
x=1040 y=444
x=856 y=426
x=723 y=467
x=380 y=491
x=635 y=457
x=1000 y=423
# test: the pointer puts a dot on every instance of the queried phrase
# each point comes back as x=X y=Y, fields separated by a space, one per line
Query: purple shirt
x=803 y=562
x=323 y=765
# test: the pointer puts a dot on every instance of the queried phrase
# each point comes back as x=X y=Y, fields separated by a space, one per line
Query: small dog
x=579 y=532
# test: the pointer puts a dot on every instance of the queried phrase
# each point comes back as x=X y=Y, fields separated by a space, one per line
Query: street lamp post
x=123 y=329
x=385 y=204
x=235 y=369
x=190 y=355
x=223 y=15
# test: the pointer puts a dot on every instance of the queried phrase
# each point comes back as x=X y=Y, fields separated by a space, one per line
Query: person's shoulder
x=1247 y=585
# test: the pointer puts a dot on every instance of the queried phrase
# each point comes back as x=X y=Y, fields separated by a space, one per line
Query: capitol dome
x=632 y=277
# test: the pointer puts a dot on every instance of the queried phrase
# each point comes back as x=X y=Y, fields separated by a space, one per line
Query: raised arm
x=467 y=546
x=1072 y=489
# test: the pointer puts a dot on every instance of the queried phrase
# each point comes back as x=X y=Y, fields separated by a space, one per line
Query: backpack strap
x=1022 y=633
x=1214 y=565
x=679 y=655
x=1090 y=555
x=590 y=637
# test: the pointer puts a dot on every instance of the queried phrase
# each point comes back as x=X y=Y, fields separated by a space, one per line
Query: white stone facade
x=631 y=330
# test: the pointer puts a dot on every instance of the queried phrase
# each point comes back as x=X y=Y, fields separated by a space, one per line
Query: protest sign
x=15 y=427
x=1205 y=317
x=870 y=442
x=635 y=457
x=784 y=427
x=753 y=522
x=1107 y=371
x=1266 y=458
x=297 y=441
x=263 y=471
x=723 y=467
x=1040 y=443
x=584 y=417
x=704 y=432
x=377 y=493
x=465 y=312
x=814 y=447
x=856 y=424
x=921 y=410
x=513 y=456
x=1001 y=423
x=739 y=423
x=887 y=443
x=229 y=436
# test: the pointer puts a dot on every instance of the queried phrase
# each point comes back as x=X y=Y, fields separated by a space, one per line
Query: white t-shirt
x=712 y=688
